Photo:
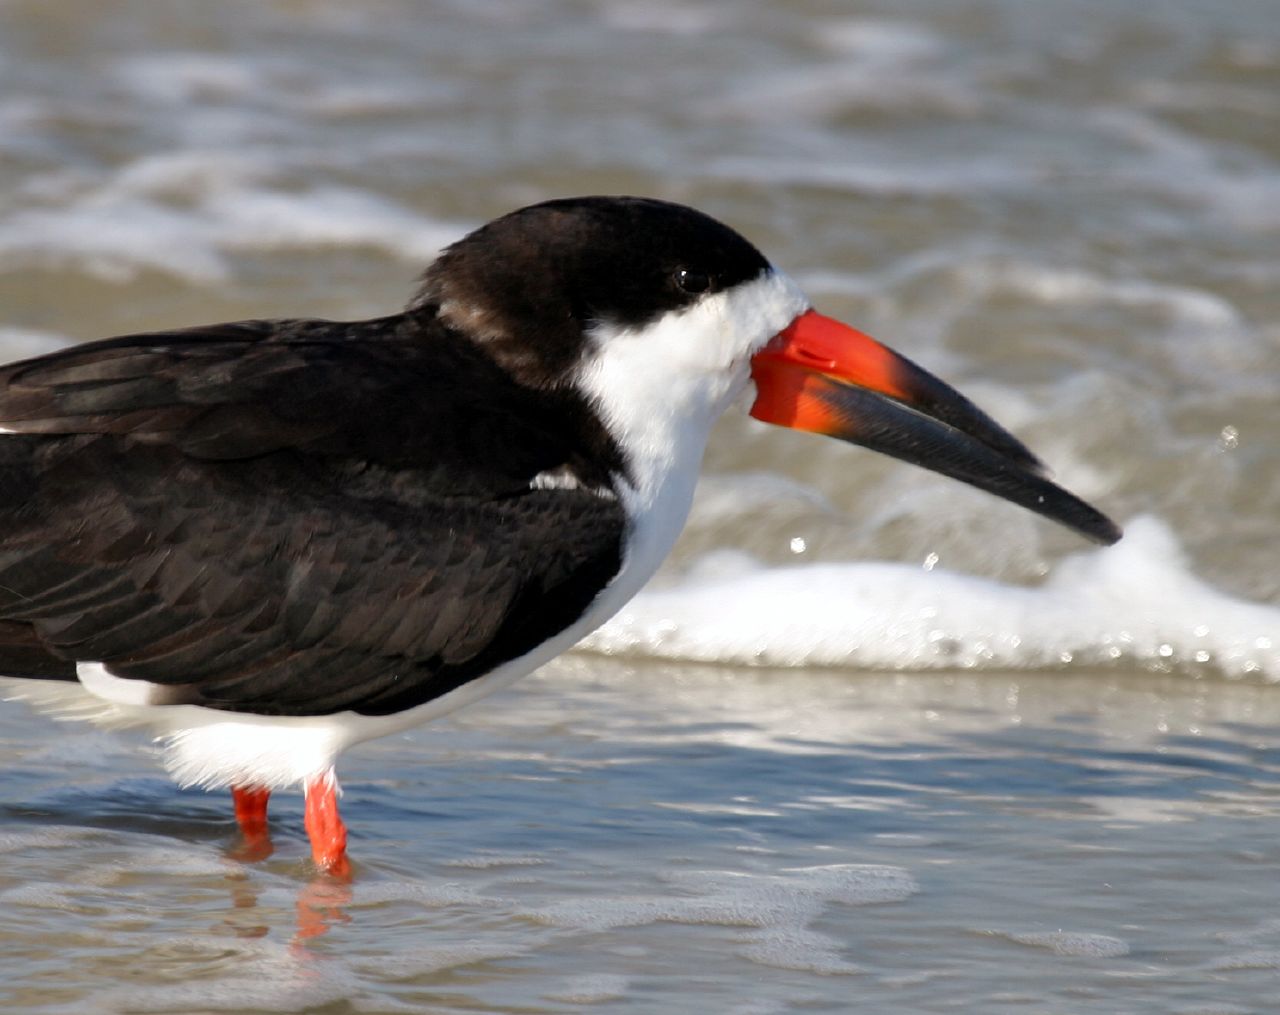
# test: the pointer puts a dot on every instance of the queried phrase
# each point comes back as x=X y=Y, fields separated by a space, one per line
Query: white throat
x=661 y=388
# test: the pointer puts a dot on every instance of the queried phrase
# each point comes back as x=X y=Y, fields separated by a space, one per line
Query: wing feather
x=294 y=517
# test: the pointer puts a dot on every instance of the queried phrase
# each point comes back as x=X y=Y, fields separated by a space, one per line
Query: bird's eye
x=692 y=281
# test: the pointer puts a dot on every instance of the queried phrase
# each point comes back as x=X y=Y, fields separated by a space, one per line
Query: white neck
x=661 y=388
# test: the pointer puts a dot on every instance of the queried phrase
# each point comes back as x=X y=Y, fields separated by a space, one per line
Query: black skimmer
x=270 y=540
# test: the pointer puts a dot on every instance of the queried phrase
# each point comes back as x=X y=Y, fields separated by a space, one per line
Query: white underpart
x=202 y=746
x=659 y=390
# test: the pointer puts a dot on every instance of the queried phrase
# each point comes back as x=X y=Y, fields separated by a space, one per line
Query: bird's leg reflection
x=244 y=900
x=321 y=902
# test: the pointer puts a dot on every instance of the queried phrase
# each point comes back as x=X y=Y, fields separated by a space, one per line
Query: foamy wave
x=774 y=911
x=182 y=214
x=877 y=66
x=1135 y=603
x=876 y=174
x=1179 y=303
x=1074 y=943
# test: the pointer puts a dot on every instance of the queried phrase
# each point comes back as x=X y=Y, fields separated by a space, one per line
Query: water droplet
x=929 y=561
x=798 y=545
x=1165 y=650
x=1228 y=439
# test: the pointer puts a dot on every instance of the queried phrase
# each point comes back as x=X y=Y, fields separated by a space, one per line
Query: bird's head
x=661 y=316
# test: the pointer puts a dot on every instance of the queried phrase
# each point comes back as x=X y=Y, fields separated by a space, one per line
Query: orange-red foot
x=251 y=816
x=324 y=826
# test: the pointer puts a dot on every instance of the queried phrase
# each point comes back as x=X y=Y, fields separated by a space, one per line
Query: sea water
x=872 y=741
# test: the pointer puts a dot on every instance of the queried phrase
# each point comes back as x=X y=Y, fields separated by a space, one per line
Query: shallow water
x=948 y=759
x=694 y=839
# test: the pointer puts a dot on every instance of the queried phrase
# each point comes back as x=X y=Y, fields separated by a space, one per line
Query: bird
x=267 y=541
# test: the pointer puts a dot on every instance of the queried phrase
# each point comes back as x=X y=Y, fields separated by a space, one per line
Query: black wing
x=292 y=517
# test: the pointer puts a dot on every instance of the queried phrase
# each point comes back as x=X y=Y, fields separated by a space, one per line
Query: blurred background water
x=873 y=741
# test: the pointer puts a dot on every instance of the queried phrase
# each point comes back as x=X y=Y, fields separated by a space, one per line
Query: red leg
x=324 y=825
x=251 y=816
x=251 y=809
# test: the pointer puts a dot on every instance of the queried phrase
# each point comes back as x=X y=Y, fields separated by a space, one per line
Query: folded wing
x=295 y=517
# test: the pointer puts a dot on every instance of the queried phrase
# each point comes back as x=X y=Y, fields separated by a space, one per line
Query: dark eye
x=692 y=281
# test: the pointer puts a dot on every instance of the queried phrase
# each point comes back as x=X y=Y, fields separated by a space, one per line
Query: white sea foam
x=591 y=988
x=430 y=894
x=418 y=961
x=45 y=838
x=1075 y=943
x=41 y=895
x=880 y=40
x=182 y=214
x=876 y=174
x=1241 y=193
x=1135 y=603
x=491 y=860
x=180 y=78
x=265 y=975
x=1180 y=304
x=240 y=92
x=876 y=65
x=772 y=912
